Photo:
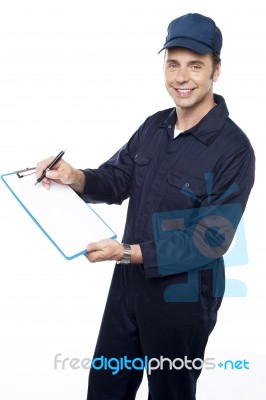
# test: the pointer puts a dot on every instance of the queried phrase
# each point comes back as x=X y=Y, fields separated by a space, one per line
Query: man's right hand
x=62 y=173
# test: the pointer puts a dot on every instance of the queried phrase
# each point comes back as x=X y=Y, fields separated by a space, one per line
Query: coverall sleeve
x=207 y=231
x=111 y=182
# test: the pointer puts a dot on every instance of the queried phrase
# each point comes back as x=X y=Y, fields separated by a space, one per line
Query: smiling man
x=188 y=172
x=189 y=80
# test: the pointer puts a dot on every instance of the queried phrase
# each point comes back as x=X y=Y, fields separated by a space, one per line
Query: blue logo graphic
x=230 y=364
x=198 y=239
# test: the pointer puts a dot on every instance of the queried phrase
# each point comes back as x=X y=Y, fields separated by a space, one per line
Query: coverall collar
x=207 y=128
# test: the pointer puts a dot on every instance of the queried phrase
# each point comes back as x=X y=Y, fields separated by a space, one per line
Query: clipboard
x=65 y=219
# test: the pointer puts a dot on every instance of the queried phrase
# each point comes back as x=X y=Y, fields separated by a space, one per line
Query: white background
x=84 y=75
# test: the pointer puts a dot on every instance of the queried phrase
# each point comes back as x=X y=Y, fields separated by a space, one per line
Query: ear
x=216 y=73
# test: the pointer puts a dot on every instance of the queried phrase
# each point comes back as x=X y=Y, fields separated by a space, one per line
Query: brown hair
x=215 y=58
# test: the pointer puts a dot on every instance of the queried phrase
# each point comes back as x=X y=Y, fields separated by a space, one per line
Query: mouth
x=183 y=92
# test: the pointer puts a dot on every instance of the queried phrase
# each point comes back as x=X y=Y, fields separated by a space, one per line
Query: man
x=187 y=172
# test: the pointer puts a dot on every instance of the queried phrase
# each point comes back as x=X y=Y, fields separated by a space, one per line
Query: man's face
x=189 y=78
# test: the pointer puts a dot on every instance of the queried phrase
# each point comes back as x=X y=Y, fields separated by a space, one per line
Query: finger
x=46 y=185
x=92 y=257
x=42 y=165
x=53 y=174
x=93 y=247
x=45 y=181
x=94 y=253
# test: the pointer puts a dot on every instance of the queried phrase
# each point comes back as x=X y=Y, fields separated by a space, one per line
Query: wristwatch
x=127 y=254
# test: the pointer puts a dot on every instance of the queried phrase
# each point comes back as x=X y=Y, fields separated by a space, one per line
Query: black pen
x=50 y=166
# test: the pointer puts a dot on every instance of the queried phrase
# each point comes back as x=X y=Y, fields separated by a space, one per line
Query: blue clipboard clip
x=26 y=172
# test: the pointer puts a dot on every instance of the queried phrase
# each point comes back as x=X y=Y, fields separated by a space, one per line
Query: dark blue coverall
x=181 y=193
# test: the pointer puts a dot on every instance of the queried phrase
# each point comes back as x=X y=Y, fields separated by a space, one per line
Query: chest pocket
x=142 y=162
x=142 y=158
x=185 y=190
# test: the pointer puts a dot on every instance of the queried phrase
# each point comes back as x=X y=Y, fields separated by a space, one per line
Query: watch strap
x=127 y=254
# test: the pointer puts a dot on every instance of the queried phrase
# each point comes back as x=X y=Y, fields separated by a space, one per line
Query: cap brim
x=188 y=44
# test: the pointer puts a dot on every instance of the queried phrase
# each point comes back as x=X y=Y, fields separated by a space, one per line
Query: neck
x=191 y=116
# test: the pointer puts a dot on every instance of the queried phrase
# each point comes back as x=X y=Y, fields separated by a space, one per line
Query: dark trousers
x=138 y=322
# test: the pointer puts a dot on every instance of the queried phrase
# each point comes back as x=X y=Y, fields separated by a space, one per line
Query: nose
x=182 y=75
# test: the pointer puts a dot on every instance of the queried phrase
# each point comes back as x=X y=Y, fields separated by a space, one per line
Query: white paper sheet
x=60 y=213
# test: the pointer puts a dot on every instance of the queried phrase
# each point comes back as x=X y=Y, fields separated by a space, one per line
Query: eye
x=172 y=66
x=195 y=67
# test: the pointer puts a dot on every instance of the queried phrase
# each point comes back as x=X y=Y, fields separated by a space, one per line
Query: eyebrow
x=190 y=62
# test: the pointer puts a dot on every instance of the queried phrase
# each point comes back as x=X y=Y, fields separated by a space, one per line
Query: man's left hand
x=104 y=250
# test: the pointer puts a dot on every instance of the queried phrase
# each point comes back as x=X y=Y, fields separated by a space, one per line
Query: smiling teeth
x=184 y=90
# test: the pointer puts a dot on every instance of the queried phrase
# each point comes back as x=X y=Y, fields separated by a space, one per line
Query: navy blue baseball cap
x=195 y=32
